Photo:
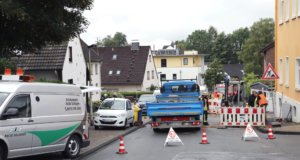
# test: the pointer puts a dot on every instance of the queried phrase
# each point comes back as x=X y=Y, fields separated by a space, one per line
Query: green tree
x=261 y=34
x=119 y=40
x=180 y=44
x=31 y=24
x=6 y=63
x=202 y=41
x=214 y=74
x=222 y=49
x=250 y=79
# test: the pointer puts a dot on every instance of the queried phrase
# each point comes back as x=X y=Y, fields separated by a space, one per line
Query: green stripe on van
x=48 y=137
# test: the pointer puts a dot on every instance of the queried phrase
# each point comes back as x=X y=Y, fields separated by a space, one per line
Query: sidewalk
x=290 y=128
x=104 y=136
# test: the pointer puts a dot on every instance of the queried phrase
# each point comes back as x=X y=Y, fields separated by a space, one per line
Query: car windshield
x=147 y=98
x=113 y=105
x=3 y=97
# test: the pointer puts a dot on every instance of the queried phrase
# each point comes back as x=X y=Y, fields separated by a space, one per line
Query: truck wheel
x=156 y=130
x=72 y=149
x=2 y=154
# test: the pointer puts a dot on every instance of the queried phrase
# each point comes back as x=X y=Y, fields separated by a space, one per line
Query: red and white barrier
x=241 y=116
x=214 y=105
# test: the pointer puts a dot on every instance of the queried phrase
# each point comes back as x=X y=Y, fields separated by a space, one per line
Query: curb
x=92 y=150
x=262 y=130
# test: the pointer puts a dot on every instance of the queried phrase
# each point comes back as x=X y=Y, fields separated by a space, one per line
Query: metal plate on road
x=229 y=156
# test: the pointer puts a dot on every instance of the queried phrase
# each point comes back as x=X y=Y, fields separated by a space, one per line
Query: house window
x=110 y=72
x=174 y=76
x=287 y=70
x=70 y=81
x=152 y=74
x=114 y=57
x=281 y=4
x=70 y=54
x=148 y=75
x=91 y=69
x=280 y=71
x=149 y=58
x=294 y=8
x=162 y=76
x=287 y=11
x=298 y=7
x=118 y=72
x=185 y=61
x=163 y=63
x=297 y=73
x=96 y=69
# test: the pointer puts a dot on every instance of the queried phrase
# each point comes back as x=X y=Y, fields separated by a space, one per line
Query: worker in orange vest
x=262 y=101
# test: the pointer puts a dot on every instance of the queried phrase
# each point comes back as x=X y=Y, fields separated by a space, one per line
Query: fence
x=241 y=116
x=214 y=105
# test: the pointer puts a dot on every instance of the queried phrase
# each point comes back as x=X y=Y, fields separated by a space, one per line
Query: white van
x=37 y=118
x=114 y=112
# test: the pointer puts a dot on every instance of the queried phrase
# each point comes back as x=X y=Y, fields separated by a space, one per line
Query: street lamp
x=90 y=84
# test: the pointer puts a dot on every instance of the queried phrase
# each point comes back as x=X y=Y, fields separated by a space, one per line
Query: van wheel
x=125 y=124
x=2 y=154
x=72 y=149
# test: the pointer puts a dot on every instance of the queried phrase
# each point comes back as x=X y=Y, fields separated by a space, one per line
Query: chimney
x=135 y=45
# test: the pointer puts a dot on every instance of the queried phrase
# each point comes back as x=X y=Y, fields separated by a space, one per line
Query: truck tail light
x=155 y=124
x=196 y=123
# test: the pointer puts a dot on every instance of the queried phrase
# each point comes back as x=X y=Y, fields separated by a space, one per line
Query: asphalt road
x=224 y=144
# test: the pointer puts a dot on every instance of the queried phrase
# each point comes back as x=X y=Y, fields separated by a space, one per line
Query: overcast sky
x=159 y=22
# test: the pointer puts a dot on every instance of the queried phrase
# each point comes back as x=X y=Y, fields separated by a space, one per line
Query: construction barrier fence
x=241 y=116
x=214 y=105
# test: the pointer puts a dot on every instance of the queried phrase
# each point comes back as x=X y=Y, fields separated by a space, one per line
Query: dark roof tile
x=132 y=64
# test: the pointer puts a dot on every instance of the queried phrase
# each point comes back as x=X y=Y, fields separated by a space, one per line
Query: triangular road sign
x=172 y=137
x=249 y=132
x=270 y=73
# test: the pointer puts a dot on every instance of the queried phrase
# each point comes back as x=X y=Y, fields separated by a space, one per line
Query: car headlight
x=97 y=115
x=121 y=115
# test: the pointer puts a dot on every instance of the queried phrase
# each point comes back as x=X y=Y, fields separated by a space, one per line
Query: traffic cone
x=204 y=138
x=122 y=146
x=270 y=133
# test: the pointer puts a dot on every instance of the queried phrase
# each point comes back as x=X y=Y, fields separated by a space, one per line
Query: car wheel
x=72 y=149
x=125 y=124
x=2 y=154
x=131 y=124
x=97 y=127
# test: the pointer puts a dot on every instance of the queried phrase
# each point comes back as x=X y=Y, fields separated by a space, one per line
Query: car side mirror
x=9 y=113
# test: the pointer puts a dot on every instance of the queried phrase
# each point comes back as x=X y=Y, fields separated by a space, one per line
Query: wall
x=150 y=66
x=122 y=88
x=177 y=61
x=76 y=69
x=287 y=37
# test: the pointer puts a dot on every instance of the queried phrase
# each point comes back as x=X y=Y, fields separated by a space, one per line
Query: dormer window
x=114 y=57
x=110 y=72
x=118 y=72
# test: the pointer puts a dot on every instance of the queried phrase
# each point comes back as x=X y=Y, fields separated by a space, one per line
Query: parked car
x=114 y=112
x=144 y=98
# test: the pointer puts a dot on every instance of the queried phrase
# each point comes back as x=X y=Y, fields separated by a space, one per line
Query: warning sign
x=249 y=132
x=172 y=137
x=270 y=73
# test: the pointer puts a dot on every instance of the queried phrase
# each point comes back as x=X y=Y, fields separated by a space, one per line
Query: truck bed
x=174 y=109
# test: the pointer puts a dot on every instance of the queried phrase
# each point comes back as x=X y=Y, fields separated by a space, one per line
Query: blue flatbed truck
x=177 y=106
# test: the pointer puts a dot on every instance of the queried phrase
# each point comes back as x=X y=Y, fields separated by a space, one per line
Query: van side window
x=23 y=104
x=128 y=105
